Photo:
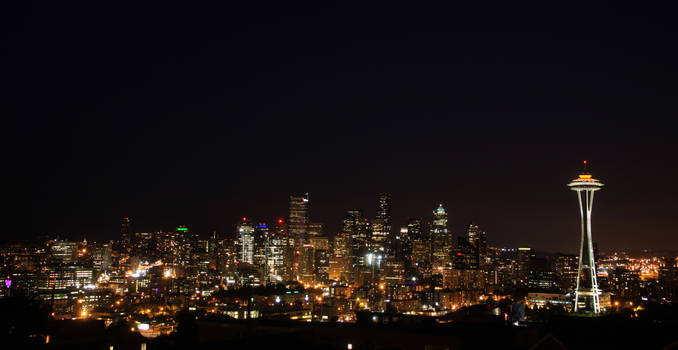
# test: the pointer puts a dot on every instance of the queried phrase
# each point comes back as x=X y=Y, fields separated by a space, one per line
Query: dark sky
x=199 y=116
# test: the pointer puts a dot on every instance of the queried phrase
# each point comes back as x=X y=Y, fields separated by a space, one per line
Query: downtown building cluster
x=290 y=268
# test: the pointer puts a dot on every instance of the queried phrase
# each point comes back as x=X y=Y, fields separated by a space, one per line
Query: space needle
x=587 y=294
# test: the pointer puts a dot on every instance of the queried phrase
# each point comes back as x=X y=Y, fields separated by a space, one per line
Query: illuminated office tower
x=478 y=239
x=566 y=271
x=306 y=260
x=402 y=246
x=522 y=268
x=414 y=230
x=126 y=232
x=245 y=231
x=441 y=240
x=356 y=227
x=101 y=257
x=339 y=261
x=321 y=265
x=261 y=249
x=319 y=242
x=298 y=219
x=276 y=254
x=63 y=252
x=382 y=222
x=420 y=243
x=466 y=257
x=143 y=241
x=587 y=295
x=184 y=243
x=314 y=229
x=289 y=252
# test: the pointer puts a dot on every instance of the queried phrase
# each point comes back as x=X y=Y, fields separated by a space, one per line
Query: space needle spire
x=587 y=294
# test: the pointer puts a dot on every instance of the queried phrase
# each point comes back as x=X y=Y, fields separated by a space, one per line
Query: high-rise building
x=276 y=255
x=394 y=272
x=101 y=256
x=400 y=246
x=566 y=271
x=414 y=229
x=126 y=232
x=298 y=219
x=357 y=228
x=289 y=253
x=384 y=209
x=540 y=275
x=314 y=229
x=261 y=249
x=466 y=257
x=587 y=294
x=381 y=225
x=321 y=265
x=245 y=230
x=144 y=246
x=339 y=262
x=306 y=263
x=319 y=242
x=522 y=270
x=478 y=239
x=419 y=241
x=441 y=239
x=185 y=242
x=63 y=252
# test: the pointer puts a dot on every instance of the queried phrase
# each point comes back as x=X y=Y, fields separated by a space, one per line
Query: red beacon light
x=244 y=218
x=280 y=221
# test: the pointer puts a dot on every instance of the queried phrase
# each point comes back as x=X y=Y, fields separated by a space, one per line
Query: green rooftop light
x=182 y=229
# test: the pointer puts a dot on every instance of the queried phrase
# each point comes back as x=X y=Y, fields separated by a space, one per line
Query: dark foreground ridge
x=375 y=331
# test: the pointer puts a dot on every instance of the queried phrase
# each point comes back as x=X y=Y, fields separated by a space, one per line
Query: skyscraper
x=414 y=230
x=126 y=232
x=566 y=271
x=522 y=268
x=587 y=295
x=314 y=229
x=420 y=243
x=245 y=229
x=276 y=252
x=441 y=241
x=298 y=219
x=478 y=239
x=339 y=262
x=262 y=249
x=466 y=257
x=382 y=221
x=357 y=228
x=473 y=233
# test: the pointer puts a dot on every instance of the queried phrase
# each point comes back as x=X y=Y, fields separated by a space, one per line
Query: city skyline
x=459 y=219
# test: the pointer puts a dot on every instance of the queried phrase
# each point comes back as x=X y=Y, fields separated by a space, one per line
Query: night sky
x=199 y=116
